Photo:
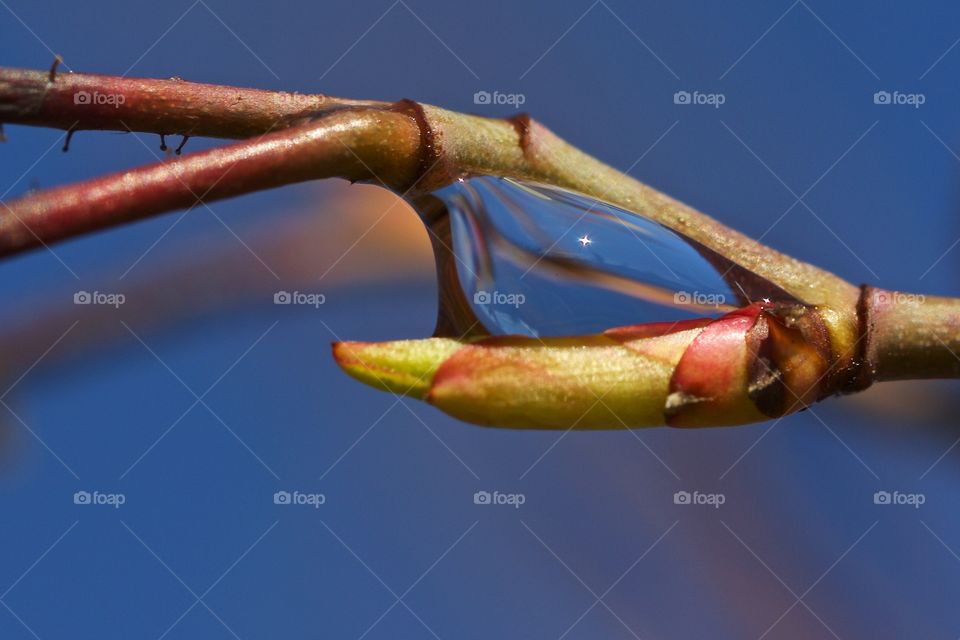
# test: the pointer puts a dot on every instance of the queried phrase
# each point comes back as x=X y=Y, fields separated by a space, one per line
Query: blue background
x=399 y=549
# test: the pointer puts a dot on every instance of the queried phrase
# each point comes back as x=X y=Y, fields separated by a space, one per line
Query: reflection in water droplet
x=542 y=261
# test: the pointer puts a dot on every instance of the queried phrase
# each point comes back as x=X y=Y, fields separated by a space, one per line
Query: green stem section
x=911 y=336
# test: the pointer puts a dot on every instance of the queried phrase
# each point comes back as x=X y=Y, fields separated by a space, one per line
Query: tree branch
x=335 y=146
x=451 y=145
x=414 y=149
x=911 y=336
x=88 y=101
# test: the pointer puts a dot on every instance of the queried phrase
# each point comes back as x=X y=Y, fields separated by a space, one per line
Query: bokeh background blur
x=199 y=399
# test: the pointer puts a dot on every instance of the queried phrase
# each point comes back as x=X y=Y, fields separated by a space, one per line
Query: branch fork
x=761 y=361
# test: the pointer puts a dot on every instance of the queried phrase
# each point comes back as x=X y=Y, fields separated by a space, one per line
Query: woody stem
x=911 y=336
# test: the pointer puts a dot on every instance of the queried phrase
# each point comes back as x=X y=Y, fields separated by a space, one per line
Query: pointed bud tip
x=404 y=367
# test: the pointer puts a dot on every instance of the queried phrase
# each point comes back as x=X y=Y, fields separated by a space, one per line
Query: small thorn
x=182 y=142
x=163 y=142
x=57 y=59
x=66 y=143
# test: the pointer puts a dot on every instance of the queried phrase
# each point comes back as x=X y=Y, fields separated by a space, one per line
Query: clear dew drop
x=537 y=260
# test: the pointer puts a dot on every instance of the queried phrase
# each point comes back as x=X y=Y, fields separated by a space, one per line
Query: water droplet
x=542 y=261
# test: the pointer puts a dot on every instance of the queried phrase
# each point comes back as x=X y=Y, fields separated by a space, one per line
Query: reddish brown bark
x=90 y=101
x=330 y=147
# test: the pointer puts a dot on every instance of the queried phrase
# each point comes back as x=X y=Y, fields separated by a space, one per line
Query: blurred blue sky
x=399 y=549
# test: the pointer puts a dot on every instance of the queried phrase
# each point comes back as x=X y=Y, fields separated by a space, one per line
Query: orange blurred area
x=342 y=235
